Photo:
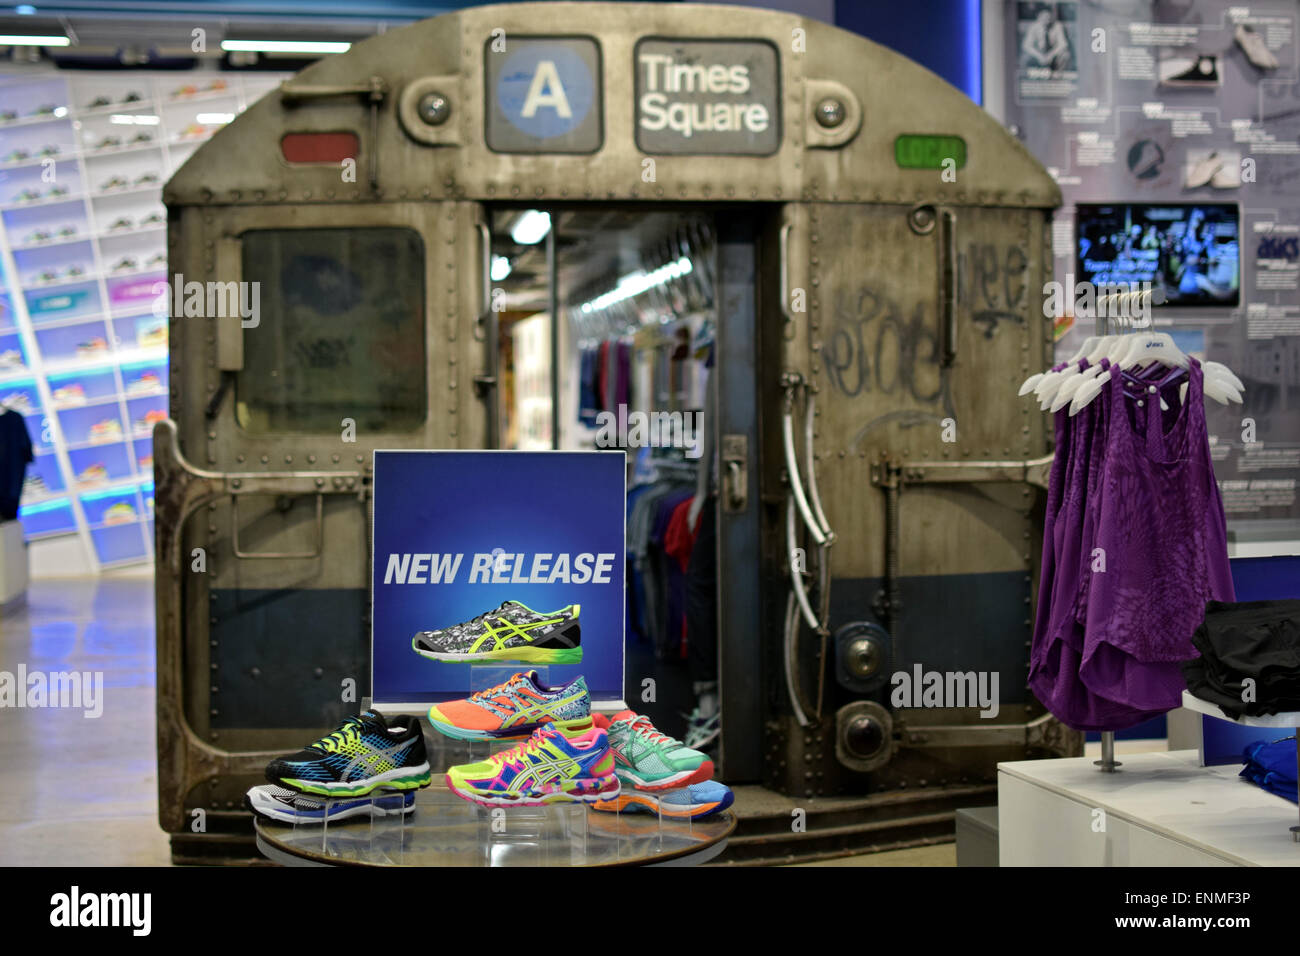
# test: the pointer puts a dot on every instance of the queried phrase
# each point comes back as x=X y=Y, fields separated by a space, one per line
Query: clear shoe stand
x=440 y=828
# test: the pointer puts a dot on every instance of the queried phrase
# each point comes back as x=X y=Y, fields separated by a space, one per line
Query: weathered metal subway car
x=880 y=244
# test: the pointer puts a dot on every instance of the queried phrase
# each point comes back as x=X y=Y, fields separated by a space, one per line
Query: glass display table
x=441 y=829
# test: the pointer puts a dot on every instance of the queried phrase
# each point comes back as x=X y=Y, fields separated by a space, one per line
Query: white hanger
x=1049 y=393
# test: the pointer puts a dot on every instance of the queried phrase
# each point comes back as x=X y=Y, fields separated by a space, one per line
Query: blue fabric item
x=635 y=603
x=587 y=403
x=668 y=640
x=1272 y=765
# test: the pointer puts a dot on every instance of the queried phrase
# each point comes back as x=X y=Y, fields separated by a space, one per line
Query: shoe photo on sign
x=367 y=753
x=511 y=632
x=512 y=710
x=566 y=761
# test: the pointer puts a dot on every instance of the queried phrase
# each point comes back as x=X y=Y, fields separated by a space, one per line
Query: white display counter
x=1161 y=809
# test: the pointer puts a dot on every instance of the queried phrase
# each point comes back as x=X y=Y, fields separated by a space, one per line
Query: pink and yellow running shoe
x=563 y=762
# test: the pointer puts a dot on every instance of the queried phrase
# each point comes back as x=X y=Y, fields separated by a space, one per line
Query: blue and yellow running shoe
x=511 y=632
x=365 y=754
x=695 y=802
x=563 y=761
x=513 y=710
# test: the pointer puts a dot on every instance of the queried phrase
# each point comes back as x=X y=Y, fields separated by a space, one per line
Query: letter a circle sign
x=544 y=95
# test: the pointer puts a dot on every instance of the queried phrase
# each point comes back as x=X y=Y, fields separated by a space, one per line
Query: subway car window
x=341 y=334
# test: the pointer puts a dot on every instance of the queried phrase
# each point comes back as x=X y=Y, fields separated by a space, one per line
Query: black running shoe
x=365 y=754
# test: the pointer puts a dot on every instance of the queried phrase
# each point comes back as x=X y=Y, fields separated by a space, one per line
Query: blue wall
x=942 y=35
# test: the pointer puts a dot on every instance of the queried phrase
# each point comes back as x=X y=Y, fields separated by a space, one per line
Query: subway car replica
x=877 y=246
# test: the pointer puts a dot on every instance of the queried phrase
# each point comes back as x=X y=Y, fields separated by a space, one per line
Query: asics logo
x=530 y=714
x=540 y=766
x=509 y=629
x=396 y=752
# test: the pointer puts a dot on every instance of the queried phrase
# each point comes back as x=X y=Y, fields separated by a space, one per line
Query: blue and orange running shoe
x=513 y=710
x=365 y=754
x=563 y=761
x=695 y=802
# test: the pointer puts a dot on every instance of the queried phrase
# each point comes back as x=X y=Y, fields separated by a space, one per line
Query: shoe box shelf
x=83 y=347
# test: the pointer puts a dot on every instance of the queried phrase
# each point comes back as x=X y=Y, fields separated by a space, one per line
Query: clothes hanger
x=1075 y=378
x=1150 y=348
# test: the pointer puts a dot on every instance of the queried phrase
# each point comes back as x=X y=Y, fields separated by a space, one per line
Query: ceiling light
x=500 y=268
x=133 y=119
x=285 y=46
x=637 y=282
x=22 y=39
x=531 y=228
x=209 y=119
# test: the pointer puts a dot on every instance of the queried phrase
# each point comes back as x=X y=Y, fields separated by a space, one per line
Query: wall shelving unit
x=83 y=328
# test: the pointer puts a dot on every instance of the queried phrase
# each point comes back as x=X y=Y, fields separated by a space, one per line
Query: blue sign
x=543 y=95
x=462 y=535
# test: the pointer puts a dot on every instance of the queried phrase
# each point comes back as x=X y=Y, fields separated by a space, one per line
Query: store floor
x=75 y=789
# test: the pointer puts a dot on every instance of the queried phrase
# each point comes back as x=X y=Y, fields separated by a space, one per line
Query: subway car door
x=370 y=331
x=917 y=320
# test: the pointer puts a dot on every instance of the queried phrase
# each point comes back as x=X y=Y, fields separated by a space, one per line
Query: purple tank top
x=1139 y=485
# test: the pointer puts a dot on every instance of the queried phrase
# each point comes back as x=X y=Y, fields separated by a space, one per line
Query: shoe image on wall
x=1255 y=47
x=513 y=710
x=695 y=802
x=1203 y=70
x=511 y=632
x=286 y=806
x=562 y=762
x=365 y=754
x=646 y=759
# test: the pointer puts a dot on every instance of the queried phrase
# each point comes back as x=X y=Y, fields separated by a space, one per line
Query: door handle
x=734 y=457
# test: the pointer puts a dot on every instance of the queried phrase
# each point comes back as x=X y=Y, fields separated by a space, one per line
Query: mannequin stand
x=1108 y=763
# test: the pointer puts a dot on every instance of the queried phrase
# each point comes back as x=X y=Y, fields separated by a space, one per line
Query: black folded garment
x=1257 y=641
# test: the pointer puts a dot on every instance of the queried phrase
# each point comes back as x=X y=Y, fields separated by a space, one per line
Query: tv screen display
x=1191 y=251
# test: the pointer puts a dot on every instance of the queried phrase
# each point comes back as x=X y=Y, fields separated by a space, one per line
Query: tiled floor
x=79 y=790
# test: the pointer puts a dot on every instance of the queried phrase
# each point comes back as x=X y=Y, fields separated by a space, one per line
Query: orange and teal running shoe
x=646 y=759
x=511 y=632
x=563 y=762
x=513 y=710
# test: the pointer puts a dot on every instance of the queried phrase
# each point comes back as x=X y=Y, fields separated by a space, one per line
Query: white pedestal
x=13 y=562
x=1161 y=809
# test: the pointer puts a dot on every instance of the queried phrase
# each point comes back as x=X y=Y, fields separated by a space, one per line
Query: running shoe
x=286 y=806
x=513 y=710
x=647 y=759
x=702 y=730
x=511 y=632
x=695 y=802
x=365 y=754
x=562 y=762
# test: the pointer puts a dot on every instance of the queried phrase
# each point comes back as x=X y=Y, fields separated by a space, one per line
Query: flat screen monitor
x=1191 y=251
